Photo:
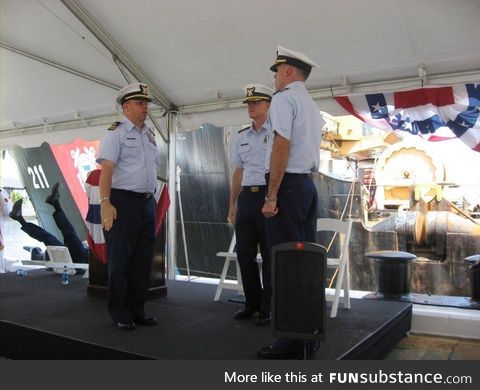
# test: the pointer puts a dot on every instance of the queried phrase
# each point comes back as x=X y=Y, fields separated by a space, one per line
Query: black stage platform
x=42 y=319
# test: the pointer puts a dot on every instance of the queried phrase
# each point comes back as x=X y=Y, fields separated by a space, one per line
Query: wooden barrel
x=439 y=223
x=427 y=229
x=407 y=224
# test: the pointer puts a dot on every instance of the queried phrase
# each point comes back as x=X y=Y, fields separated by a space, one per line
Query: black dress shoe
x=16 y=212
x=263 y=319
x=126 y=325
x=54 y=195
x=244 y=313
x=275 y=353
x=146 y=320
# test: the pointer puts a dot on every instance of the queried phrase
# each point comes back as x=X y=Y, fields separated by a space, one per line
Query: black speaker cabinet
x=298 y=282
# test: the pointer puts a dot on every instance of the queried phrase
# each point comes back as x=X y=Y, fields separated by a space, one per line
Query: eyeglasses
x=141 y=102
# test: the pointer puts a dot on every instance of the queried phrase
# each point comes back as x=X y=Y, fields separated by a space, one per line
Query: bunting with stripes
x=434 y=113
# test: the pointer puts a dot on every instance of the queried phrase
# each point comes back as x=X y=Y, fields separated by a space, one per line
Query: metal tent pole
x=172 y=173
x=182 y=222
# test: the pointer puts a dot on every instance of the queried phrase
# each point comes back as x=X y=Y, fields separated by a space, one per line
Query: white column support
x=172 y=217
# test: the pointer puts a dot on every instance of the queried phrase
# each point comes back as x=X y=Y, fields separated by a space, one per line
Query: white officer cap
x=137 y=91
x=257 y=92
x=294 y=58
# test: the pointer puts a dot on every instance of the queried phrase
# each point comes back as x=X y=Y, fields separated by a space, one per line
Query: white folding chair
x=224 y=284
x=341 y=263
x=59 y=258
x=232 y=284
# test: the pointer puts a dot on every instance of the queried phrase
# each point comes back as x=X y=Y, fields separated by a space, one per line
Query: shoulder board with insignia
x=246 y=128
x=281 y=90
x=114 y=126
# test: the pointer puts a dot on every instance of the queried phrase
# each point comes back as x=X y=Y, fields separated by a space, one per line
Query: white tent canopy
x=59 y=79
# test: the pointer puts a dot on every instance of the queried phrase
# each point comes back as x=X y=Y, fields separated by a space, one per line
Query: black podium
x=98 y=273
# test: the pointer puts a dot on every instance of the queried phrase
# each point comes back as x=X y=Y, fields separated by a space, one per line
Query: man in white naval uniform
x=293 y=155
x=129 y=158
x=246 y=201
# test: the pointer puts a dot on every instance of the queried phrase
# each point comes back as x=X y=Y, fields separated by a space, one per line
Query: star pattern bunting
x=434 y=113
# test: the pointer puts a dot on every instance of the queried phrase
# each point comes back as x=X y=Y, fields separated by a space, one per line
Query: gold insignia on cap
x=250 y=91
x=144 y=89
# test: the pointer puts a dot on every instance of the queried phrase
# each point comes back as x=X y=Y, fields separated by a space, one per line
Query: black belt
x=309 y=175
x=254 y=188
x=140 y=195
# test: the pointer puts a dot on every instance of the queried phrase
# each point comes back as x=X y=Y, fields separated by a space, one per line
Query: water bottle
x=65 y=276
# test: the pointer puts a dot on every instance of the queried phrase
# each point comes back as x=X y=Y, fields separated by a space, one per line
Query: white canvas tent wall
x=59 y=79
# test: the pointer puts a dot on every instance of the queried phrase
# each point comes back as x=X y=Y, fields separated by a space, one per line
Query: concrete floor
x=423 y=347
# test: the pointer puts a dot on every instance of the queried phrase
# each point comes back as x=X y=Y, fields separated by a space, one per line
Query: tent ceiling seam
x=56 y=65
x=111 y=45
